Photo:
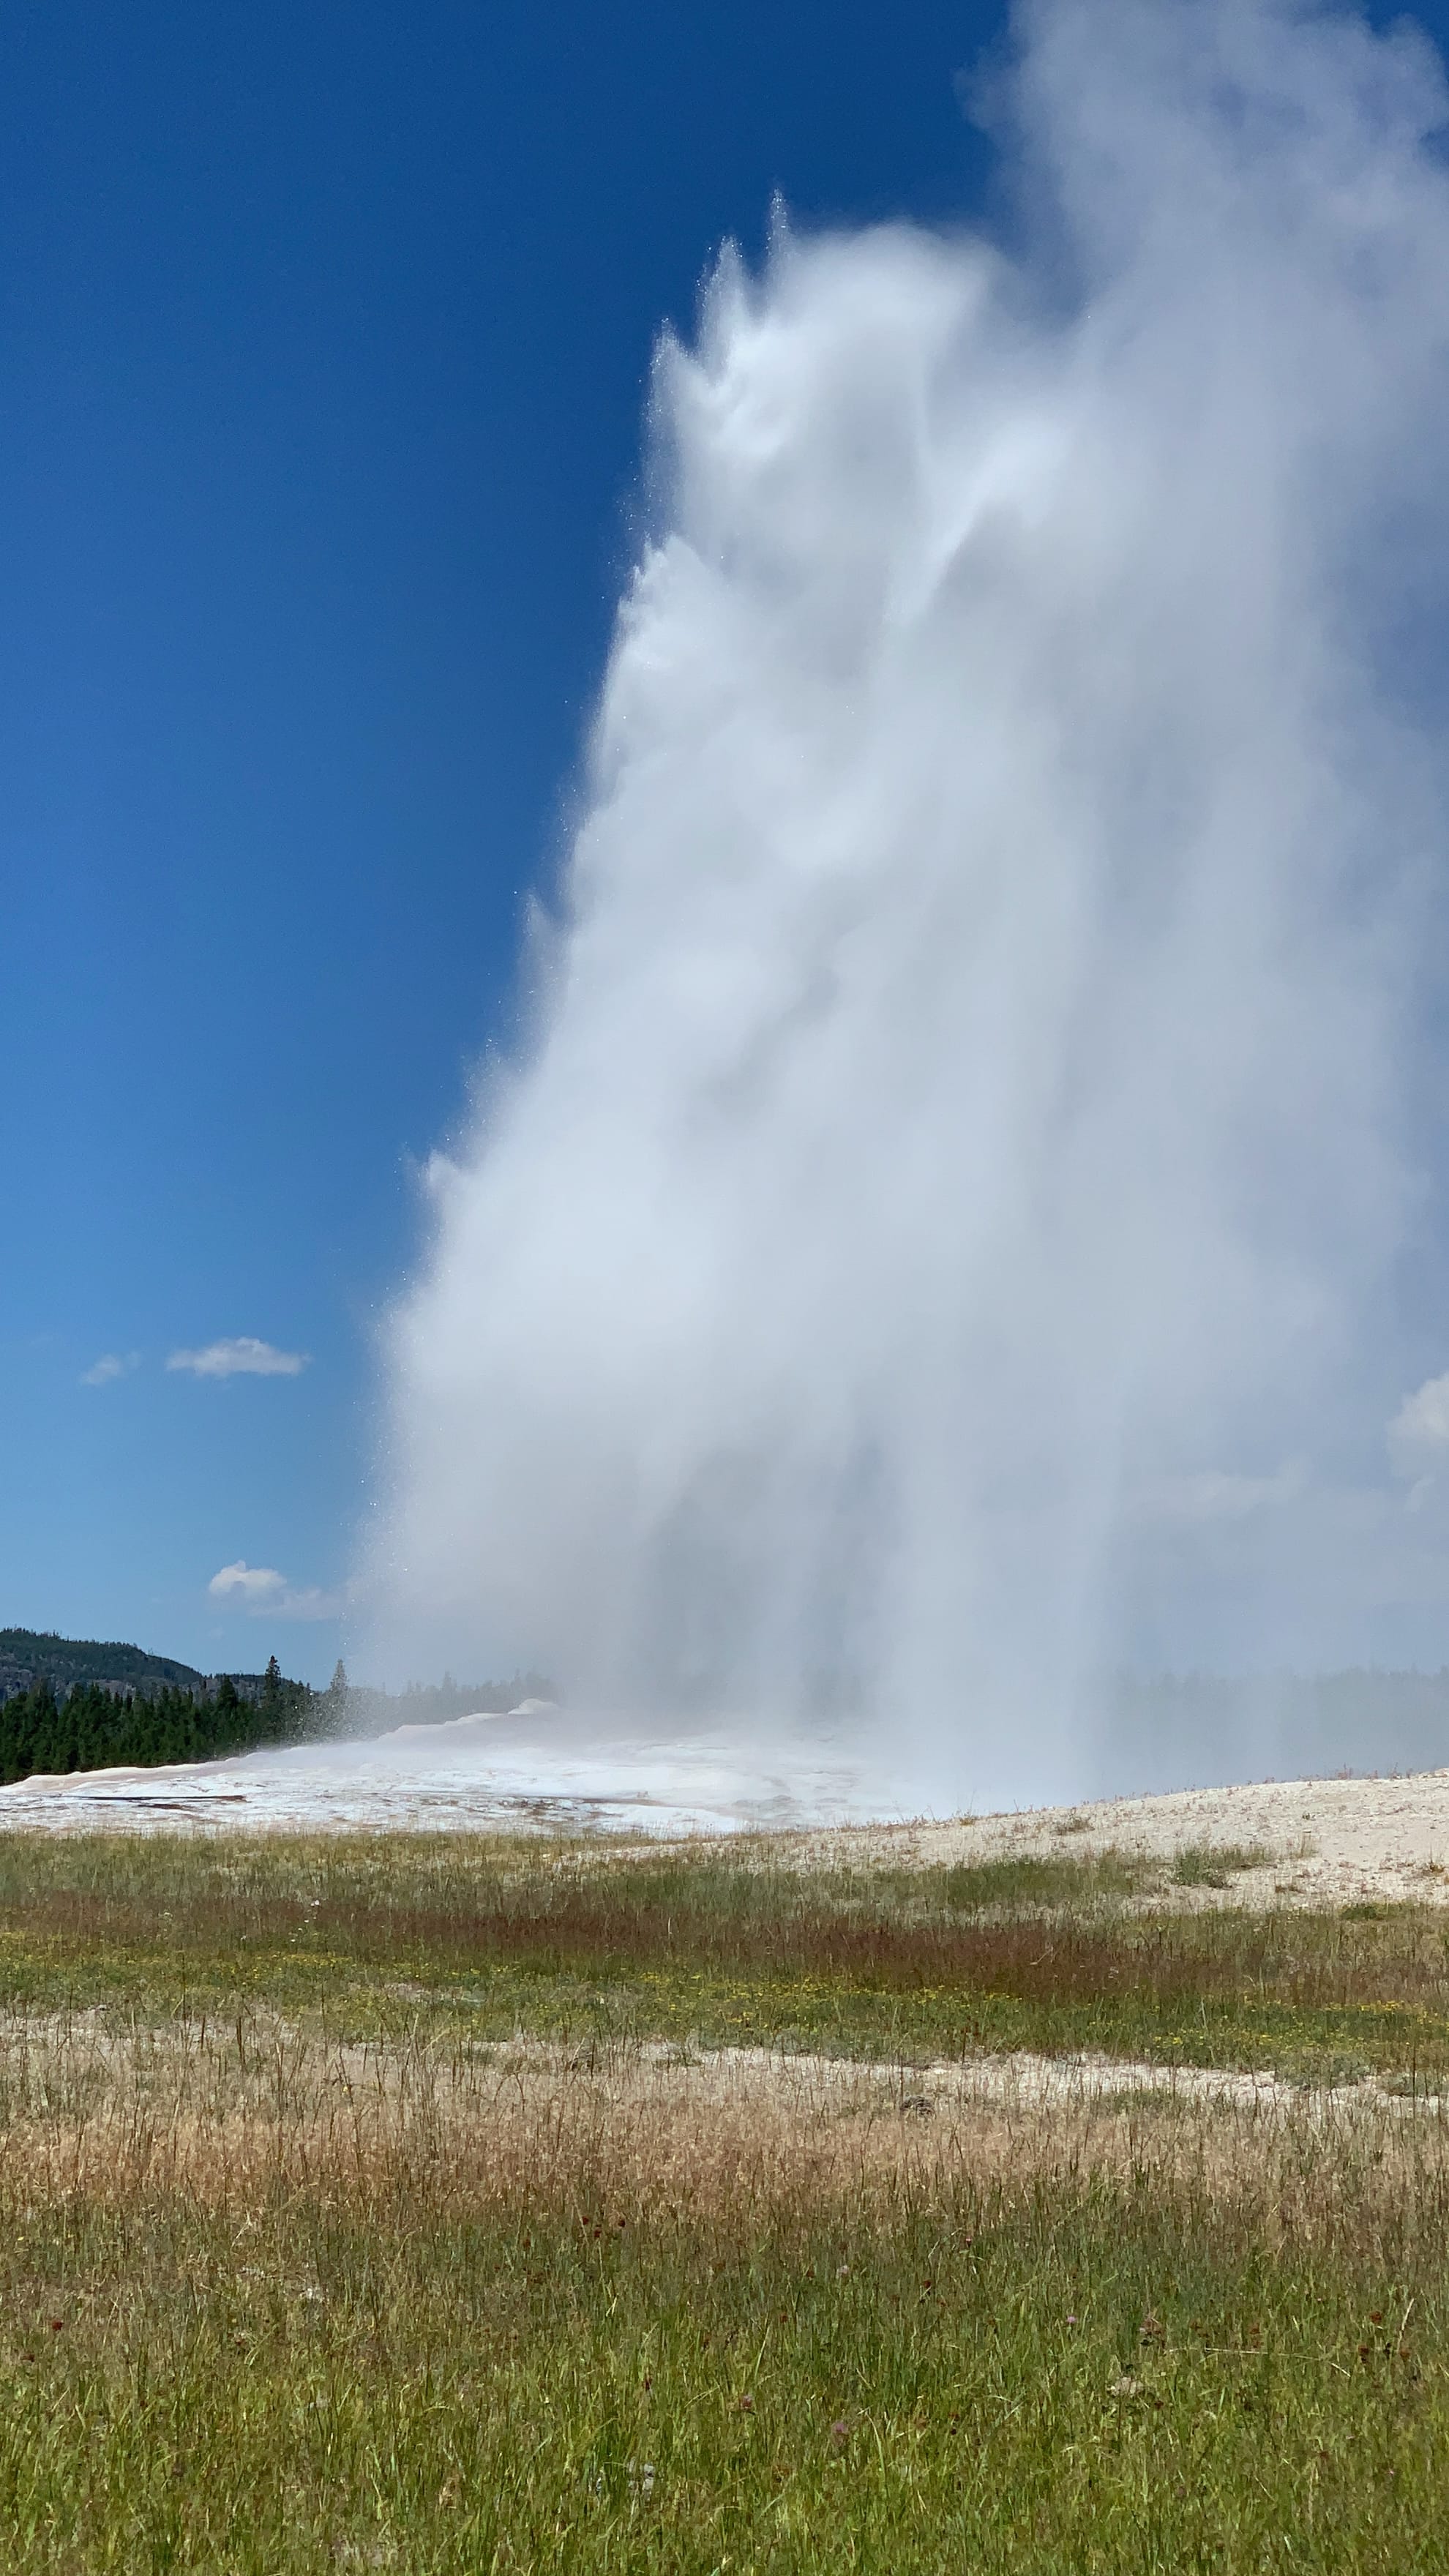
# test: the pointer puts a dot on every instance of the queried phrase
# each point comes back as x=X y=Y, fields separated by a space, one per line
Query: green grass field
x=489 y=1937
x=353 y=2218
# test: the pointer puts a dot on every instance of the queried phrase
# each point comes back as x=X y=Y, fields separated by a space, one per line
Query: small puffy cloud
x=262 y=1587
x=257 y=1584
x=242 y=1356
x=111 y=1364
x=1419 y=1432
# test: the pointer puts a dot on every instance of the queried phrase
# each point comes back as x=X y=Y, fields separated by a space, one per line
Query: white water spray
x=955 y=1167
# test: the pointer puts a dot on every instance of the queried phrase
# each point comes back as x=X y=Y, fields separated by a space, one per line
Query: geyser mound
x=933 y=1243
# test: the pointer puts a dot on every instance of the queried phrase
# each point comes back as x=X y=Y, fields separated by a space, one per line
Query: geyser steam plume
x=960 y=1142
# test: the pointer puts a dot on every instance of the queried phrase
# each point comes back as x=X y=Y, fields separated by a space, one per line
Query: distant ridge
x=30 y=1655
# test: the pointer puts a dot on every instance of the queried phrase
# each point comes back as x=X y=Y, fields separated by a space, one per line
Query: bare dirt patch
x=1328 y=1843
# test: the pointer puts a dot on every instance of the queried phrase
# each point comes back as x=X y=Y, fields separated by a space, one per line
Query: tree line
x=91 y=1725
x=88 y=1727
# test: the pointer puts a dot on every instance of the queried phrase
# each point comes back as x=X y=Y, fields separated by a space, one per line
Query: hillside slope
x=29 y=1655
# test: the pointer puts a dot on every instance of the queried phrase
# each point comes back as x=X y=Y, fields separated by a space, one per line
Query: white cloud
x=242 y=1356
x=257 y=1584
x=111 y=1364
x=262 y=1587
x=1418 y=1435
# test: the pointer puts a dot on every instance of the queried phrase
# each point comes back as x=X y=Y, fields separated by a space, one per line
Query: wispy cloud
x=111 y=1364
x=242 y=1356
x=1419 y=1432
x=310 y=1602
x=263 y=1587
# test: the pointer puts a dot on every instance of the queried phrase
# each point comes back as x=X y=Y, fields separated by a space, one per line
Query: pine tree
x=331 y=1712
x=225 y=1731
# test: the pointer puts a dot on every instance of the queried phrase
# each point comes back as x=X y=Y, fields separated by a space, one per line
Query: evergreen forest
x=71 y=1704
x=90 y=1726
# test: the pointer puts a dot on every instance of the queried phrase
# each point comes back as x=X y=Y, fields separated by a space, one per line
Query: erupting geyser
x=933 y=1243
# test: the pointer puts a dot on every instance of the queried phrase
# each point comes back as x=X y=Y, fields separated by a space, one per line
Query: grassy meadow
x=490 y=2204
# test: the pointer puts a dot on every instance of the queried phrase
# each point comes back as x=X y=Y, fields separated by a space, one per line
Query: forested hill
x=29 y=1655
x=93 y=1725
x=73 y=1704
x=81 y=1704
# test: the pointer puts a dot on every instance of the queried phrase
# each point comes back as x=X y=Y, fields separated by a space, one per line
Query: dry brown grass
x=232 y=2117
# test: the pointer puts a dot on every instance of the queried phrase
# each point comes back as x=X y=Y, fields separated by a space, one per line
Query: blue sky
x=325 y=336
